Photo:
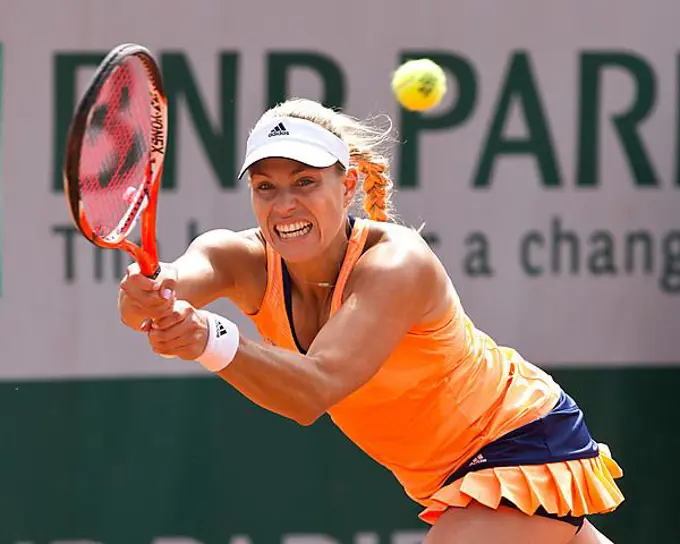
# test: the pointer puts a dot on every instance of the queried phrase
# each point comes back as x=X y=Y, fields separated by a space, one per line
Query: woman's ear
x=351 y=184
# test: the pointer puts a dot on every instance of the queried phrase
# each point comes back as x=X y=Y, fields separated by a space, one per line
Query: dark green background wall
x=124 y=462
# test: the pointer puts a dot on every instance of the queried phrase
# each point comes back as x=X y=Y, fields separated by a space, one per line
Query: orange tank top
x=438 y=399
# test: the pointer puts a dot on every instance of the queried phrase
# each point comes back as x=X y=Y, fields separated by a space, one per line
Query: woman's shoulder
x=400 y=245
x=397 y=257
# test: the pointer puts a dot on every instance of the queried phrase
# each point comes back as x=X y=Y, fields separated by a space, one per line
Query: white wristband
x=223 y=340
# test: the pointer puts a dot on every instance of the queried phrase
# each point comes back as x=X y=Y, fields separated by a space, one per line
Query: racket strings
x=115 y=148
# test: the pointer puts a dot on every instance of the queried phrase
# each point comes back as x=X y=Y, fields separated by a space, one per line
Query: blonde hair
x=365 y=148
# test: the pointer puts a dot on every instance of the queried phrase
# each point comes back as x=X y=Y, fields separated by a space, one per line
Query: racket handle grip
x=154 y=274
x=148 y=264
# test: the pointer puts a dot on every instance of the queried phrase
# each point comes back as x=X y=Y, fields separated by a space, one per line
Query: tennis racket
x=114 y=155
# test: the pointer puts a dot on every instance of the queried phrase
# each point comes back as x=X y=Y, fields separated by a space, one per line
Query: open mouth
x=293 y=230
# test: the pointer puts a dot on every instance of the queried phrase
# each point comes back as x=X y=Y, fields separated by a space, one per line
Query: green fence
x=127 y=462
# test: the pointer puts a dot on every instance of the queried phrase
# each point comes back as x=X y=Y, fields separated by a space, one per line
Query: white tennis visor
x=296 y=139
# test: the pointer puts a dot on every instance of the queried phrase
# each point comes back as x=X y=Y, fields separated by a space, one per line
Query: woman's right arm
x=219 y=263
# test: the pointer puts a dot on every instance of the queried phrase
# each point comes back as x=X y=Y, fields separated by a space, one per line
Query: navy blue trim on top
x=288 y=299
x=288 y=293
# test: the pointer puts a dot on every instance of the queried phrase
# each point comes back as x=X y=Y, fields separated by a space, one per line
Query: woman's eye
x=264 y=186
x=305 y=181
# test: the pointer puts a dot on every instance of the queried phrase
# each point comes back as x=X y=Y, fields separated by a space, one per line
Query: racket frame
x=143 y=205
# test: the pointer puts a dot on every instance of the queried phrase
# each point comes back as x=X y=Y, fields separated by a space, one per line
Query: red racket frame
x=145 y=202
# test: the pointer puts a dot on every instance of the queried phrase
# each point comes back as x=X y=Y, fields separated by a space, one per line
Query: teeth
x=292 y=227
x=293 y=230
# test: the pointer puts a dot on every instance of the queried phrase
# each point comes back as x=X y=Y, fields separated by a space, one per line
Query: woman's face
x=300 y=209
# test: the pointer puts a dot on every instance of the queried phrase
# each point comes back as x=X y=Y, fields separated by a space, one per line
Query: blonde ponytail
x=377 y=189
x=365 y=142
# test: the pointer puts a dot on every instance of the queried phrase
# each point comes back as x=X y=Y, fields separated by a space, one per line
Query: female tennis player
x=361 y=321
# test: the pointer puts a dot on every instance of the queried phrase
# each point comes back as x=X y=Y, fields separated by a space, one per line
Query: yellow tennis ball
x=419 y=84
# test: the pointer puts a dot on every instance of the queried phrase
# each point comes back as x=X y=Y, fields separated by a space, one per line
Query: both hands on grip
x=174 y=327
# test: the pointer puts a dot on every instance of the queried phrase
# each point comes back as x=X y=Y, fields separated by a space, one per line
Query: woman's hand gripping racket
x=114 y=155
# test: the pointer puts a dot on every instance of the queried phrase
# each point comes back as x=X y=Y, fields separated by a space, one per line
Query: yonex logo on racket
x=278 y=130
x=157 y=127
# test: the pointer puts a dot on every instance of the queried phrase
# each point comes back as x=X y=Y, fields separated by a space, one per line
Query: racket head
x=114 y=154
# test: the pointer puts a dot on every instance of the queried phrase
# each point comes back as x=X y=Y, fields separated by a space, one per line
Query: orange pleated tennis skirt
x=576 y=487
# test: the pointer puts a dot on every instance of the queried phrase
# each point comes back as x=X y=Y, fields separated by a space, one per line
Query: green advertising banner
x=187 y=461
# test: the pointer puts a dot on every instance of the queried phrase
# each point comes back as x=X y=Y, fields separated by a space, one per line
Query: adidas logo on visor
x=278 y=130
x=221 y=331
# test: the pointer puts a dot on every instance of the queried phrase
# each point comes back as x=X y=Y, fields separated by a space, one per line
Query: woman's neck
x=319 y=276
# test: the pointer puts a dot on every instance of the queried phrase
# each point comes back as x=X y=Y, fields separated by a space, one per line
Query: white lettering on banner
x=240 y=539
x=366 y=538
x=548 y=178
x=396 y=537
x=409 y=537
x=308 y=539
x=76 y=542
x=181 y=540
